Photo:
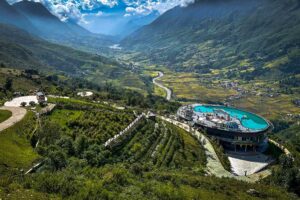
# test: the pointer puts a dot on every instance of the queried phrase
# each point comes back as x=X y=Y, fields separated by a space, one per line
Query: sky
x=104 y=16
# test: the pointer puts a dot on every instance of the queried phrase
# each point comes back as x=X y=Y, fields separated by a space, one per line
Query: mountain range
x=29 y=34
x=48 y=24
x=36 y=19
x=217 y=34
x=19 y=49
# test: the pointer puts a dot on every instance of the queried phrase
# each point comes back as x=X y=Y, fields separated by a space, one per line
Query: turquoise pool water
x=252 y=121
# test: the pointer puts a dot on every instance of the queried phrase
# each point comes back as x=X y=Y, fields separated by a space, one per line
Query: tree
x=56 y=160
x=23 y=104
x=32 y=103
x=81 y=144
x=66 y=143
x=286 y=162
x=91 y=157
x=49 y=133
x=8 y=84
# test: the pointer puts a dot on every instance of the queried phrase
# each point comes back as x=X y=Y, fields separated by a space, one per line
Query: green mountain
x=216 y=34
x=9 y=15
x=21 y=50
x=48 y=24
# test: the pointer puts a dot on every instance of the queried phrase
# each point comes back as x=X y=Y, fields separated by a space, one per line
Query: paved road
x=168 y=91
x=214 y=166
x=17 y=115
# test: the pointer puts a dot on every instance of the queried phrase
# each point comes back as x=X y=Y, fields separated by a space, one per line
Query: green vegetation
x=270 y=107
x=174 y=171
x=286 y=175
x=249 y=43
x=15 y=148
x=162 y=145
x=4 y=115
x=244 y=61
x=21 y=50
x=187 y=87
x=97 y=123
x=157 y=160
x=122 y=181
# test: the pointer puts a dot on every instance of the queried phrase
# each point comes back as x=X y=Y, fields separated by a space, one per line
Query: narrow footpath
x=168 y=91
x=17 y=115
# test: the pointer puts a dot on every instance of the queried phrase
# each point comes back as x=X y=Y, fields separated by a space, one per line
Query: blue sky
x=99 y=15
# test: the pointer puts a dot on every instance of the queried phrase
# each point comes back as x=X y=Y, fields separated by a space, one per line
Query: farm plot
x=162 y=145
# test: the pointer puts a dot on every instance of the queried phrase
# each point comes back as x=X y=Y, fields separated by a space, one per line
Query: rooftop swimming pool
x=247 y=119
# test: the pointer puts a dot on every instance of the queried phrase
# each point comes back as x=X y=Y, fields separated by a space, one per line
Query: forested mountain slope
x=48 y=24
x=9 y=15
x=21 y=50
x=215 y=34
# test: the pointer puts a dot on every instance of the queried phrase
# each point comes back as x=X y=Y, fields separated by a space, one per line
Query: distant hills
x=217 y=34
x=135 y=24
x=36 y=19
x=19 y=49
x=23 y=30
x=9 y=15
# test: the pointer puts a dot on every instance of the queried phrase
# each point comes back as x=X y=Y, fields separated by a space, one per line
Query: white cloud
x=73 y=9
x=99 y=13
x=138 y=8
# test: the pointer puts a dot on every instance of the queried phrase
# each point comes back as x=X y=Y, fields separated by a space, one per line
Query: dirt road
x=18 y=114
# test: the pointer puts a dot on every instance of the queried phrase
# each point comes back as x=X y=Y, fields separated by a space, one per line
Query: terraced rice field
x=162 y=145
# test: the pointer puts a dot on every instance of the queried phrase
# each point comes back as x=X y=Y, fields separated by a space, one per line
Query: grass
x=94 y=120
x=16 y=191
x=15 y=149
x=159 y=91
x=189 y=86
x=63 y=116
x=4 y=115
x=76 y=102
x=192 y=87
x=271 y=108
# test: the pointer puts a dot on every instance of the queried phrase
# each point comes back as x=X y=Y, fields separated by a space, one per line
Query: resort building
x=235 y=129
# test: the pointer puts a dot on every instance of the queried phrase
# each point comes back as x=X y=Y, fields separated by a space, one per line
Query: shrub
x=32 y=103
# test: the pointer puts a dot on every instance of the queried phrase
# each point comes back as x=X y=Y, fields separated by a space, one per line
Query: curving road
x=168 y=91
x=17 y=115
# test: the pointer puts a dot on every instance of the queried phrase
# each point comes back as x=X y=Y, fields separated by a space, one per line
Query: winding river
x=168 y=91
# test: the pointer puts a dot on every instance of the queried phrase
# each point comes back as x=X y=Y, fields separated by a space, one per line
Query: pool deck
x=214 y=122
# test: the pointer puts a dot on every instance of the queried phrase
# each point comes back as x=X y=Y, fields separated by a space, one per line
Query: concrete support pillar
x=245 y=148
